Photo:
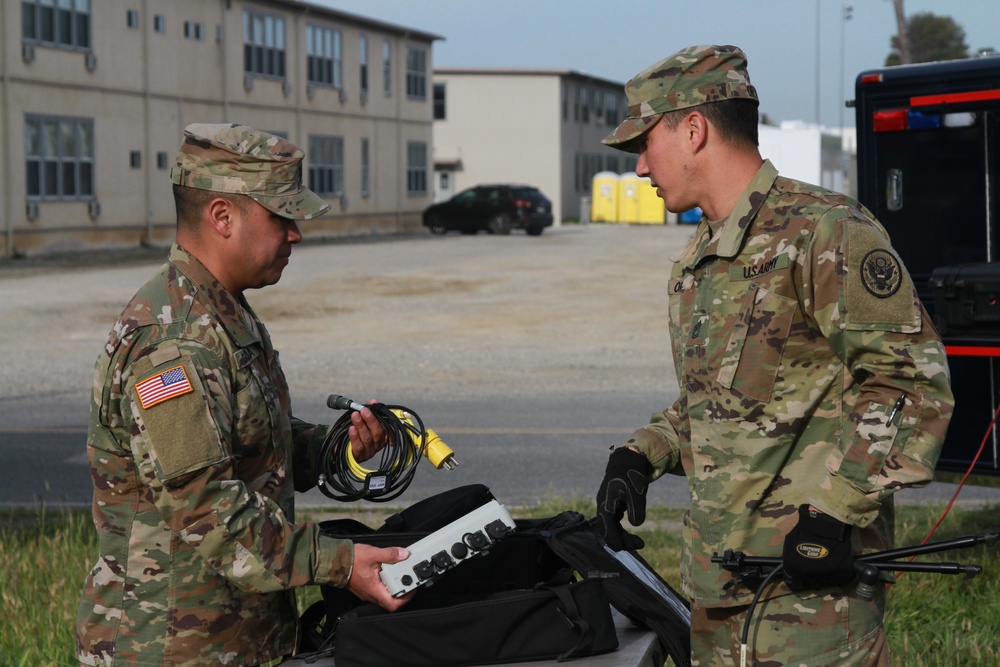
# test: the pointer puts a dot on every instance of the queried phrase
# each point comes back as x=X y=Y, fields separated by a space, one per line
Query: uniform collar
x=231 y=312
x=730 y=238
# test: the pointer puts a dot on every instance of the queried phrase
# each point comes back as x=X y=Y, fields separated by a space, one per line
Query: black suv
x=495 y=208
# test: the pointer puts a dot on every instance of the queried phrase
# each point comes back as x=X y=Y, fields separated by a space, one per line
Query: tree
x=929 y=38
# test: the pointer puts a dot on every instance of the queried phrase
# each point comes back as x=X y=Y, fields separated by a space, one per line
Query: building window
x=62 y=23
x=587 y=166
x=194 y=30
x=159 y=23
x=161 y=160
x=366 y=169
x=416 y=168
x=326 y=165
x=324 y=56
x=584 y=105
x=611 y=115
x=135 y=159
x=59 y=158
x=363 y=59
x=263 y=44
x=440 y=108
x=132 y=19
x=387 y=68
x=416 y=73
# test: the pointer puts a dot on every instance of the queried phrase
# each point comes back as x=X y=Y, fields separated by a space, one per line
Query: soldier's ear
x=695 y=127
x=221 y=214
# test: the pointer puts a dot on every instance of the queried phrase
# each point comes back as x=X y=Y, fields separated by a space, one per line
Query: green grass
x=932 y=621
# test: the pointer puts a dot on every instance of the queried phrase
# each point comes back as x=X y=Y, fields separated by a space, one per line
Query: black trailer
x=928 y=152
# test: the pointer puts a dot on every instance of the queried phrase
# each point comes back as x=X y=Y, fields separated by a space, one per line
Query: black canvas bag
x=455 y=621
x=634 y=588
x=554 y=621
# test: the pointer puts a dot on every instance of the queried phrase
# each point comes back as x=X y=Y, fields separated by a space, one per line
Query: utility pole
x=846 y=11
x=902 y=33
x=816 y=78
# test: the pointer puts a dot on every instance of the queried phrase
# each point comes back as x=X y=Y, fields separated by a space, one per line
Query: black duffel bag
x=544 y=592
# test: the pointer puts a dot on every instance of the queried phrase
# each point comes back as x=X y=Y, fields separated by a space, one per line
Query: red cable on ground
x=975 y=459
x=954 y=497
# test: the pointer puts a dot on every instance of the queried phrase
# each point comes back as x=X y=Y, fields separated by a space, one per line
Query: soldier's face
x=264 y=241
x=662 y=158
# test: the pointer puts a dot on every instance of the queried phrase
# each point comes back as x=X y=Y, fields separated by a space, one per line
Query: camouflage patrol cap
x=692 y=76
x=236 y=159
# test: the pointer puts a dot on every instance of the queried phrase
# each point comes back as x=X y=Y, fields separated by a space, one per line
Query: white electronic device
x=447 y=547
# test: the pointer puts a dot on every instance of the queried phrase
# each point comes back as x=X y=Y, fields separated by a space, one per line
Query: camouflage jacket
x=796 y=332
x=194 y=456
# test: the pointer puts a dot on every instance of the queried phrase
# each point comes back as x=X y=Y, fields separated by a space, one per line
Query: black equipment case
x=543 y=592
x=967 y=299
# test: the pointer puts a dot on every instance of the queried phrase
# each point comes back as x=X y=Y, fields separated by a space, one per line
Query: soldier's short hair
x=735 y=120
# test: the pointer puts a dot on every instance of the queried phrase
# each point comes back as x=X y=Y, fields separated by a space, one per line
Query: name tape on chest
x=163 y=386
x=758 y=269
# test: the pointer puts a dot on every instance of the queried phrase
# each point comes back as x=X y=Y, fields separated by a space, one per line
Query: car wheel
x=499 y=224
x=436 y=226
x=535 y=230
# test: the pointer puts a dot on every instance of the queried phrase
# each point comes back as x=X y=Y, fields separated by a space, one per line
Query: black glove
x=624 y=487
x=817 y=552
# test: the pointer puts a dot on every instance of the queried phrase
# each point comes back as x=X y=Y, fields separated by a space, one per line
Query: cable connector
x=439 y=454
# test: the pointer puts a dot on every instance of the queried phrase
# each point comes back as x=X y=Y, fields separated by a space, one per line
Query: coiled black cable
x=342 y=478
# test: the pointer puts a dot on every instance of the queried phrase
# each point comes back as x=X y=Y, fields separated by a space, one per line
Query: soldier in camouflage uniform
x=193 y=450
x=812 y=382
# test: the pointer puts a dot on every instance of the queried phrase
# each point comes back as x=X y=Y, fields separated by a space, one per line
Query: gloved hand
x=624 y=488
x=817 y=552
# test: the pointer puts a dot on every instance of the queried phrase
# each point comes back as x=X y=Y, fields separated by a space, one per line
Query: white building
x=810 y=153
x=536 y=127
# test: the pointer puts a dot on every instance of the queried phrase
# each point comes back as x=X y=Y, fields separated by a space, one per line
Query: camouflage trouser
x=794 y=631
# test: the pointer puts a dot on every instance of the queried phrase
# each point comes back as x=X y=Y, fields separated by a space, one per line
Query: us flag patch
x=166 y=385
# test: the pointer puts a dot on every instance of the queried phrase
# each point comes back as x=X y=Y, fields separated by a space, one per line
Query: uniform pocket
x=756 y=344
x=254 y=407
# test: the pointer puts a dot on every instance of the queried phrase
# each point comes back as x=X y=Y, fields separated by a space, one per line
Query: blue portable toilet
x=690 y=217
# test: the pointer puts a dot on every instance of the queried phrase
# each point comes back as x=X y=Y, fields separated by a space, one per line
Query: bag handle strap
x=571 y=612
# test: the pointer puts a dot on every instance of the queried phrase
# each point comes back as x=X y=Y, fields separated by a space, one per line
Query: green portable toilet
x=604 y=197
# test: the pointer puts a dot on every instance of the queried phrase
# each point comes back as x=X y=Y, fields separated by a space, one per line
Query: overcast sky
x=614 y=39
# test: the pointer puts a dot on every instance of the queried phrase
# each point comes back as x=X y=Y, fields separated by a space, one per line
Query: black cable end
x=338 y=402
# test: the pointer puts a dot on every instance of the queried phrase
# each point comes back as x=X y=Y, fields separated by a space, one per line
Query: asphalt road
x=528 y=356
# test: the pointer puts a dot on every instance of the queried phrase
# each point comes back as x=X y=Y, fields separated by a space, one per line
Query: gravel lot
x=528 y=355
x=579 y=309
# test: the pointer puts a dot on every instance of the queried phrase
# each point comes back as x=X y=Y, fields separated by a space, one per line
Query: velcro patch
x=179 y=431
x=879 y=291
